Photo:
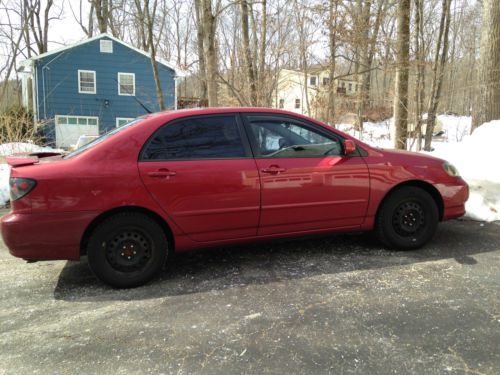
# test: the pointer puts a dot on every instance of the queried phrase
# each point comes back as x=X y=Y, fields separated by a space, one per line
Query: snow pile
x=7 y=149
x=21 y=148
x=455 y=128
x=4 y=184
x=476 y=159
x=376 y=134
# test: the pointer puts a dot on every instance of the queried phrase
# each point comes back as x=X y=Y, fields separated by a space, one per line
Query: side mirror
x=349 y=147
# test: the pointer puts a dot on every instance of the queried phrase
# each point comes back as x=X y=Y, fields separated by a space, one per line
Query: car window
x=215 y=137
x=286 y=139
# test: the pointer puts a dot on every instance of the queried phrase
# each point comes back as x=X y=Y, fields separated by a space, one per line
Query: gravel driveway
x=337 y=304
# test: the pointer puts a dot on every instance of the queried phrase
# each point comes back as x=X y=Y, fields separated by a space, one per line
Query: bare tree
x=39 y=19
x=487 y=106
x=208 y=26
x=147 y=14
x=87 y=25
x=200 y=51
x=419 y=86
x=440 y=58
x=250 y=72
x=402 y=67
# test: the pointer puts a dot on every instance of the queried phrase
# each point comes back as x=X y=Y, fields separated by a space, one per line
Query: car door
x=307 y=183
x=201 y=172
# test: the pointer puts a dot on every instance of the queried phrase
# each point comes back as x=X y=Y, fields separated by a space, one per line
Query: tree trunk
x=420 y=72
x=201 y=54
x=402 y=65
x=152 y=48
x=363 y=31
x=438 y=72
x=262 y=53
x=248 y=53
x=487 y=106
x=208 y=24
x=101 y=13
x=332 y=34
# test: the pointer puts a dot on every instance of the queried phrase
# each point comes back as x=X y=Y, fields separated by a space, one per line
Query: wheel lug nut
x=135 y=252
x=128 y=257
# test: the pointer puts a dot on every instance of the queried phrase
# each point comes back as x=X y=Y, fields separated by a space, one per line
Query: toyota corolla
x=182 y=180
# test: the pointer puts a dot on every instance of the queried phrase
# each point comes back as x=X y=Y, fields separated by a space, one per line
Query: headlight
x=450 y=169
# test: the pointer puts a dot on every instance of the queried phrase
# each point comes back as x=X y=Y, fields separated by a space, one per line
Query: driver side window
x=283 y=139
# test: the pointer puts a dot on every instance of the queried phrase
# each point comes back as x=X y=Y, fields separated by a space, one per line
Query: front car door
x=201 y=172
x=307 y=182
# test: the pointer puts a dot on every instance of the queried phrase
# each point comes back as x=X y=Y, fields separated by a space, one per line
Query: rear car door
x=201 y=171
x=307 y=182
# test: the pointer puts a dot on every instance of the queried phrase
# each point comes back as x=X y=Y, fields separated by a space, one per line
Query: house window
x=282 y=103
x=326 y=81
x=120 y=121
x=350 y=86
x=313 y=80
x=77 y=120
x=343 y=85
x=86 y=82
x=297 y=103
x=106 y=46
x=126 y=84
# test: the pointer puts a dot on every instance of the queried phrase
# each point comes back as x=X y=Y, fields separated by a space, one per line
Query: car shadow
x=223 y=268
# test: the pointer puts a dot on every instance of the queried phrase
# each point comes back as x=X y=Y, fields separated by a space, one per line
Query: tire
x=127 y=250
x=407 y=219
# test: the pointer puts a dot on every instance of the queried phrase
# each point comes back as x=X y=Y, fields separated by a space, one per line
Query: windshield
x=102 y=138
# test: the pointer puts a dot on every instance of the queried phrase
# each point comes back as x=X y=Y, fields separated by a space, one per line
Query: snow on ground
x=13 y=148
x=476 y=158
x=21 y=148
x=4 y=184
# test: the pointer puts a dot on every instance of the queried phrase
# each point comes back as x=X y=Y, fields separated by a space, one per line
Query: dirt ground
x=338 y=304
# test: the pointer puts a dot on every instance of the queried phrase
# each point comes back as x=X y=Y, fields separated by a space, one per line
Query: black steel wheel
x=127 y=250
x=407 y=218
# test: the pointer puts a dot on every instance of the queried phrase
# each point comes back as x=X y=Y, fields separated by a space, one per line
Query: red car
x=183 y=180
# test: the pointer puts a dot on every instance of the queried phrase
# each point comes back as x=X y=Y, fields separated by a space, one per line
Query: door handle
x=273 y=169
x=161 y=173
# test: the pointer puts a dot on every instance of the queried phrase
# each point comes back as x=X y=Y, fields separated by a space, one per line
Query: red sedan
x=182 y=180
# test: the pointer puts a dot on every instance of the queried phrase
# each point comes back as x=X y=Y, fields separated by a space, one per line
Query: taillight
x=19 y=187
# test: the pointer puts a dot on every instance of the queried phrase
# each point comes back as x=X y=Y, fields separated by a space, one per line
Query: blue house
x=91 y=87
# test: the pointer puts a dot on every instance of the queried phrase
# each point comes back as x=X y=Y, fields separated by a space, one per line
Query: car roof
x=217 y=110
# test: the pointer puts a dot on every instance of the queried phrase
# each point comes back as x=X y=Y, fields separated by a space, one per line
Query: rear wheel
x=127 y=250
x=407 y=219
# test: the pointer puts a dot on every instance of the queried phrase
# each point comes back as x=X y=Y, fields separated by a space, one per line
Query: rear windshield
x=103 y=137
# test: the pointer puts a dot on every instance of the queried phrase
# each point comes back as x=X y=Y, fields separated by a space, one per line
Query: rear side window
x=215 y=137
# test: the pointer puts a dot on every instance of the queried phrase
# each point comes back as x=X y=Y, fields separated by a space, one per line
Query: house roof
x=178 y=71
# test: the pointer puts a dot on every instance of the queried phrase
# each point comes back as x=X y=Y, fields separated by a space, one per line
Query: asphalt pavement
x=338 y=304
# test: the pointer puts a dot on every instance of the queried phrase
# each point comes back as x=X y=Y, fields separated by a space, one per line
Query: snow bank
x=4 y=184
x=476 y=158
x=21 y=147
x=455 y=128
x=12 y=148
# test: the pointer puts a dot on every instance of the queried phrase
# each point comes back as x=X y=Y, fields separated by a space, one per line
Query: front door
x=307 y=184
x=200 y=170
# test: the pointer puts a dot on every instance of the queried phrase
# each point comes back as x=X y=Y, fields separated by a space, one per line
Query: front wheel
x=407 y=219
x=127 y=250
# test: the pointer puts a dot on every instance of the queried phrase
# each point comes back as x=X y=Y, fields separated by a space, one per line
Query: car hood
x=409 y=156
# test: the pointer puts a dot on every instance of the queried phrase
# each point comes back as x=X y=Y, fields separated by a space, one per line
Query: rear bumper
x=45 y=236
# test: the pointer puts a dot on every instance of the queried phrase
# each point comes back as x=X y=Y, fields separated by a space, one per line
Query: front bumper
x=454 y=198
x=52 y=236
